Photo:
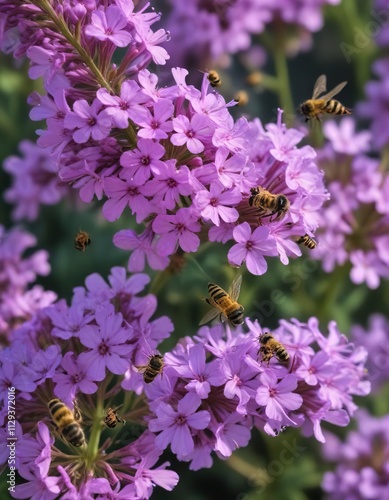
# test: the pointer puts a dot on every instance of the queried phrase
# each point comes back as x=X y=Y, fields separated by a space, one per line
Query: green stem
x=363 y=55
x=282 y=73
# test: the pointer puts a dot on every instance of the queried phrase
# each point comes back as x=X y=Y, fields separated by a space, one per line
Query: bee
x=67 y=422
x=307 y=241
x=152 y=369
x=241 y=97
x=266 y=201
x=214 y=78
x=271 y=347
x=319 y=104
x=225 y=303
x=278 y=432
x=82 y=240
x=112 y=418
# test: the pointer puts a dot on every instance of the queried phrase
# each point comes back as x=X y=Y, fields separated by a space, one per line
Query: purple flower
x=74 y=378
x=190 y=132
x=117 y=107
x=154 y=126
x=251 y=247
x=143 y=247
x=144 y=161
x=107 y=344
x=278 y=396
x=230 y=435
x=91 y=121
x=109 y=25
x=361 y=467
x=177 y=425
x=169 y=184
x=344 y=138
x=214 y=204
x=177 y=230
x=146 y=478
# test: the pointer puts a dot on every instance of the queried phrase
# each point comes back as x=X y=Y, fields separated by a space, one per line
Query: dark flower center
x=92 y=122
x=181 y=420
x=172 y=183
x=190 y=134
x=123 y=105
x=249 y=246
x=103 y=349
x=214 y=202
x=154 y=124
x=145 y=160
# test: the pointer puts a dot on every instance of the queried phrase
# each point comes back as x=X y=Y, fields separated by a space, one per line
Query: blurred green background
x=299 y=290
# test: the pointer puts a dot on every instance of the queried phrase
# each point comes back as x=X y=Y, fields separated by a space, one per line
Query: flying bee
x=214 y=78
x=152 y=369
x=307 y=241
x=82 y=240
x=266 y=201
x=241 y=97
x=271 y=347
x=319 y=104
x=225 y=304
x=112 y=418
x=67 y=422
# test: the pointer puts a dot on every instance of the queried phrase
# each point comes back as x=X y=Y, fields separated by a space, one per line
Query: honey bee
x=225 y=304
x=241 y=97
x=307 y=241
x=271 y=347
x=152 y=369
x=82 y=240
x=112 y=418
x=67 y=422
x=268 y=202
x=319 y=104
x=214 y=78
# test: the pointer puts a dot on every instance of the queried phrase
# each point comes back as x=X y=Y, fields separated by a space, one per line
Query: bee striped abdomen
x=216 y=293
x=281 y=354
x=307 y=241
x=334 y=107
x=153 y=369
x=230 y=308
x=67 y=425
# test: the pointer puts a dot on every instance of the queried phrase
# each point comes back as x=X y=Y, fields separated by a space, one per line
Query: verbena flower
x=221 y=28
x=172 y=156
x=374 y=339
x=18 y=299
x=361 y=466
x=214 y=389
x=354 y=223
x=35 y=181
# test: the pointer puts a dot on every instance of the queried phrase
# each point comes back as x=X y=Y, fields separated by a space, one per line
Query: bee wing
x=320 y=86
x=333 y=92
x=235 y=287
x=212 y=314
x=141 y=368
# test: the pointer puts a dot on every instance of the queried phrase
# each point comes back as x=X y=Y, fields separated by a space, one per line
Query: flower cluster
x=35 y=181
x=216 y=388
x=375 y=339
x=91 y=350
x=174 y=155
x=212 y=391
x=224 y=27
x=376 y=105
x=362 y=471
x=355 y=222
x=18 y=302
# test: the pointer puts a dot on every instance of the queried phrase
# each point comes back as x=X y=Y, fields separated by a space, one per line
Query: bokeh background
x=300 y=290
